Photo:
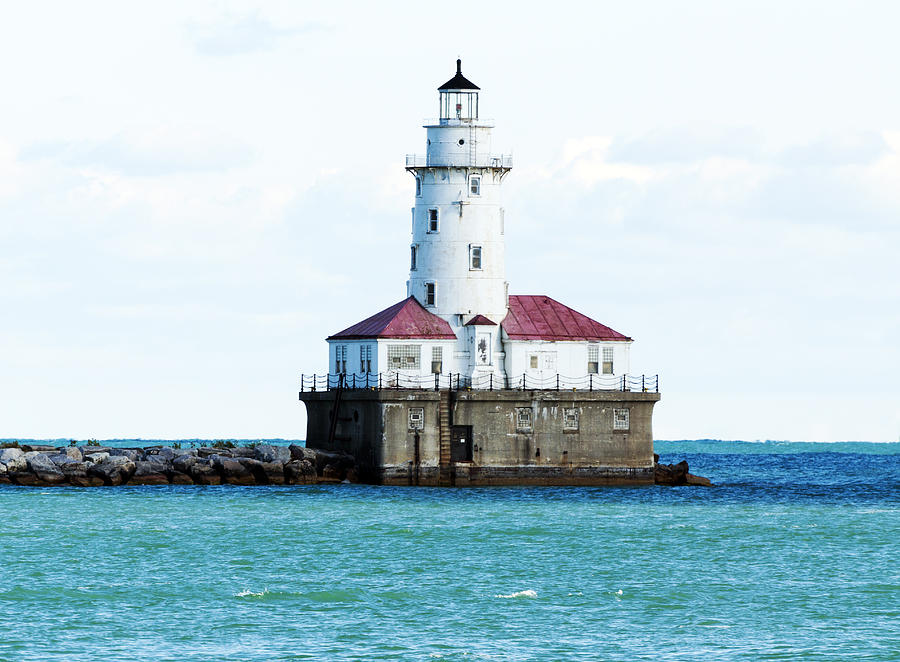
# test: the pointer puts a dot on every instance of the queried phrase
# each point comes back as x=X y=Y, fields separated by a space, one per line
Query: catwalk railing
x=459 y=382
x=459 y=160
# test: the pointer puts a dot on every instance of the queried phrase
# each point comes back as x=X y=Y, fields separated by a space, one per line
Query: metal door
x=461 y=443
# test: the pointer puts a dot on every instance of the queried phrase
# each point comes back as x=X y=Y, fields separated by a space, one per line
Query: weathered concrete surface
x=373 y=427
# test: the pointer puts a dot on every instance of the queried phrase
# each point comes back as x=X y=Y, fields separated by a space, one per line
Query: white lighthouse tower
x=457 y=265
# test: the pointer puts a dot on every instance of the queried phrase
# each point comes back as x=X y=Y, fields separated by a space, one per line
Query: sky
x=194 y=195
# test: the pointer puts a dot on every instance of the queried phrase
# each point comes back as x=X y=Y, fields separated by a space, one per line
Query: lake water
x=793 y=556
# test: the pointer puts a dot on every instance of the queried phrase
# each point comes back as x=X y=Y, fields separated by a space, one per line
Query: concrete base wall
x=571 y=438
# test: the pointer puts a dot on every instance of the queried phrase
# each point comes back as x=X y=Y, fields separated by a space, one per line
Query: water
x=793 y=556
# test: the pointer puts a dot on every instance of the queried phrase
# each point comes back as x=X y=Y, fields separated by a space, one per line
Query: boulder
x=273 y=472
x=178 y=478
x=76 y=473
x=299 y=471
x=38 y=448
x=149 y=473
x=340 y=461
x=332 y=473
x=691 y=479
x=209 y=451
x=95 y=457
x=132 y=454
x=13 y=459
x=114 y=470
x=203 y=473
x=3 y=470
x=352 y=475
x=28 y=478
x=237 y=471
x=302 y=453
x=268 y=453
x=243 y=451
x=166 y=452
x=183 y=463
x=85 y=450
x=71 y=452
x=42 y=467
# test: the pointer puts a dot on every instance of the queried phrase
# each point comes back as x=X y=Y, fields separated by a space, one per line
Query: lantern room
x=459 y=98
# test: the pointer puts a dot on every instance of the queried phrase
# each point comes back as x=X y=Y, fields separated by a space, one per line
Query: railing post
x=301 y=383
x=379 y=381
x=643 y=384
x=623 y=382
x=523 y=381
x=314 y=382
x=492 y=382
x=590 y=382
x=557 y=381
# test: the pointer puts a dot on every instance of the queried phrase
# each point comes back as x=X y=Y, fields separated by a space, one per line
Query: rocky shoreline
x=93 y=466
x=263 y=464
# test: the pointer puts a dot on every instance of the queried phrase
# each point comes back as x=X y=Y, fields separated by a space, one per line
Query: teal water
x=792 y=556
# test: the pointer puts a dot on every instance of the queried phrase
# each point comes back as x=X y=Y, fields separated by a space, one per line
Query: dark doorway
x=461 y=443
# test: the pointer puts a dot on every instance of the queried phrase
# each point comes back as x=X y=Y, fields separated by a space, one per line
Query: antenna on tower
x=458 y=66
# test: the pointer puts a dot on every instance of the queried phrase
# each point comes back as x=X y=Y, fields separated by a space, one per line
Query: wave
x=519 y=594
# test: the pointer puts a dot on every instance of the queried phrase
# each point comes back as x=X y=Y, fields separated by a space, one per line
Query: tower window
x=593 y=359
x=430 y=294
x=437 y=364
x=418 y=187
x=620 y=419
x=523 y=419
x=608 y=361
x=340 y=359
x=365 y=358
x=474 y=257
x=413 y=255
x=433 y=219
x=475 y=185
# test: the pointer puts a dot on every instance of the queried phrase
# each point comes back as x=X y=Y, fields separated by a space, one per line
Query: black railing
x=490 y=382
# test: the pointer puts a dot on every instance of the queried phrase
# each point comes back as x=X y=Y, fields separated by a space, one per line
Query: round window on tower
x=462 y=142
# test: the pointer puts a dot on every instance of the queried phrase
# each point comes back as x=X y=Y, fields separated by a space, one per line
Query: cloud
x=148 y=152
x=239 y=35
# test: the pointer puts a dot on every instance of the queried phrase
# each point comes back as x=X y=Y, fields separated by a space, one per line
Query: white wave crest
x=519 y=594
x=246 y=593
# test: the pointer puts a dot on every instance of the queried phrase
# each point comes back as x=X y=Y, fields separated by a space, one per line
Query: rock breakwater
x=93 y=466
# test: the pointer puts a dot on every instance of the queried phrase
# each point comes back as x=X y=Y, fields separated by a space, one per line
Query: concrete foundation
x=469 y=438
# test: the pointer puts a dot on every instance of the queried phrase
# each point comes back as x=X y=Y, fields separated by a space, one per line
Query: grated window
x=437 y=364
x=433 y=220
x=523 y=419
x=475 y=185
x=430 y=294
x=365 y=358
x=620 y=419
x=418 y=187
x=403 y=357
x=413 y=255
x=608 y=361
x=533 y=361
x=416 y=418
x=593 y=359
x=570 y=419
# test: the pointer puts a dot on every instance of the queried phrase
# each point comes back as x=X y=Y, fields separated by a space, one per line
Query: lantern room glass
x=456 y=105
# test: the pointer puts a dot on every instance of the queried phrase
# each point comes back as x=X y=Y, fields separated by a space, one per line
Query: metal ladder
x=444 y=471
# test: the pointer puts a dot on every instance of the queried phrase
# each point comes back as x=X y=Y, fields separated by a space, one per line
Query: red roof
x=406 y=319
x=538 y=317
x=480 y=320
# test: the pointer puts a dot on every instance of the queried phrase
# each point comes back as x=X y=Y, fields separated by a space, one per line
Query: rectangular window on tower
x=608 y=361
x=433 y=220
x=413 y=250
x=340 y=359
x=418 y=187
x=430 y=294
x=593 y=359
x=475 y=185
x=437 y=363
x=365 y=358
x=474 y=257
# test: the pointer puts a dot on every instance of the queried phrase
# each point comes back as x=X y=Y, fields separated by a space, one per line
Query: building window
x=570 y=419
x=474 y=185
x=418 y=187
x=430 y=294
x=533 y=362
x=474 y=257
x=413 y=254
x=365 y=358
x=483 y=349
x=437 y=362
x=433 y=218
x=416 y=418
x=593 y=359
x=620 y=419
x=340 y=359
x=523 y=419
x=608 y=361
x=403 y=357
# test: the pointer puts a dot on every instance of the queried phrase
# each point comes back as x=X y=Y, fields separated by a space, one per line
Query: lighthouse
x=462 y=382
x=457 y=257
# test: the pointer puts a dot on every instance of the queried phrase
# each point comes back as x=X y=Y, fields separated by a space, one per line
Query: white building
x=459 y=324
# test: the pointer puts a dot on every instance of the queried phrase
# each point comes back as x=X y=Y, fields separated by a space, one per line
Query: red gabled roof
x=480 y=320
x=538 y=317
x=406 y=319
